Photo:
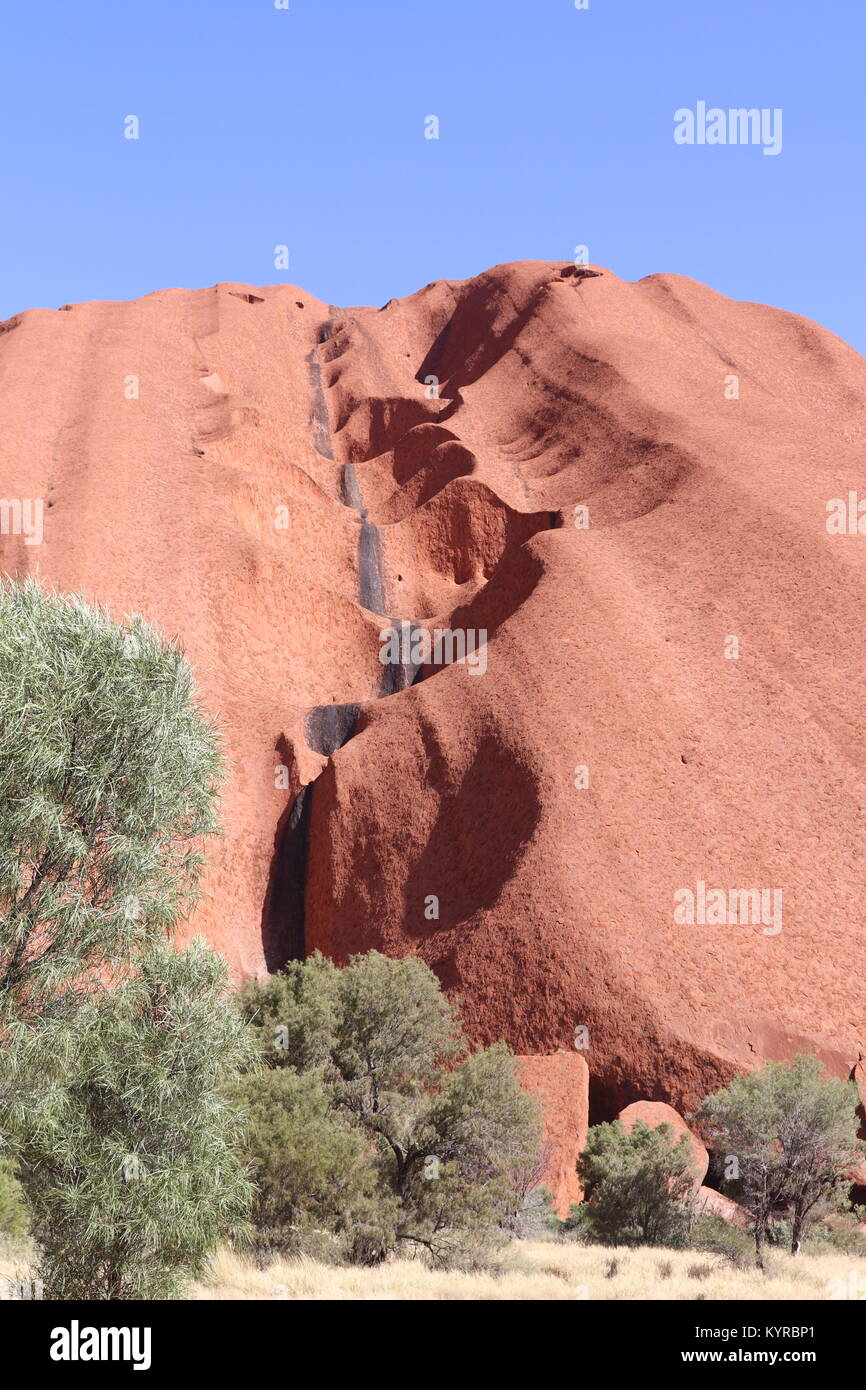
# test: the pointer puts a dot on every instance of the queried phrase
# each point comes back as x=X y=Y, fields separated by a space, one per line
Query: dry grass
x=528 y=1271
x=541 y=1270
x=15 y=1261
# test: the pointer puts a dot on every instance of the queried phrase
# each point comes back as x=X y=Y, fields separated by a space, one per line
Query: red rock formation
x=274 y=481
x=560 y=1083
x=708 y=1202
x=655 y=1113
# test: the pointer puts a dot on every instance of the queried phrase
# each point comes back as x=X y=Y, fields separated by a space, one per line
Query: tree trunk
x=760 y=1232
x=796 y=1231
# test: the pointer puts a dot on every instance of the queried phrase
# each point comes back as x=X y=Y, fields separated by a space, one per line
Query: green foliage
x=128 y=1145
x=312 y=1168
x=578 y=1224
x=14 y=1218
x=714 y=1236
x=115 y=1048
x=637 y=1186
x=447 y=1140
x=108 y=778
x=793 y=1131
x=294 y=1013
x=840 y=1234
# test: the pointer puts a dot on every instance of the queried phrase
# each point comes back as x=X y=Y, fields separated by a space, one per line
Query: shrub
x=841 y=1233
x=714 y=1236
x=314 y=1172
x=535 y=1216
x=578 y=1224
x=448 y=1141
x=636 y=1185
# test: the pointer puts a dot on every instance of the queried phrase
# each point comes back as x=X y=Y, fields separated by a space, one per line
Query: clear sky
x=305 y=127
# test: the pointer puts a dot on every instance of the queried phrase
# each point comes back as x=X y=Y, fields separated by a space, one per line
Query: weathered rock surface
x=276 y=481
x=655 y=1113
x=560 y=1083
x=708 y=1202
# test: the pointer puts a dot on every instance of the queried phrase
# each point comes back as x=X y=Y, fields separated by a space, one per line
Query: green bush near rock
x=434 y=1138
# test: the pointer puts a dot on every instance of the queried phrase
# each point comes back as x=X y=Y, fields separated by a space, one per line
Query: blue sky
x=305 y=127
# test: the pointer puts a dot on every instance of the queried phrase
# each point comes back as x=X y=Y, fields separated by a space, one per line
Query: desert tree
x=793 y=1132
x=109 y=773
x=448 y=1130
x=129 y=1153
x=114 y=1049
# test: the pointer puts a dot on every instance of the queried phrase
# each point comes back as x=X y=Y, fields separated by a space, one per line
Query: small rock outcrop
x=560 y=1082
x=655 y=1113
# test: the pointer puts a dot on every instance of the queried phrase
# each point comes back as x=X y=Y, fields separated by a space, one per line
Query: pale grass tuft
x=541 y=1270
x=528 y=1271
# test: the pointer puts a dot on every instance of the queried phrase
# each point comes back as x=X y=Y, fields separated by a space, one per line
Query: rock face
x=560 y=1083
x=655 y=1113
x=670 y=699
x=708 y=1202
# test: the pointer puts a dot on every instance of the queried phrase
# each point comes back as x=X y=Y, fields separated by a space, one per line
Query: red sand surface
x=606 y=646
